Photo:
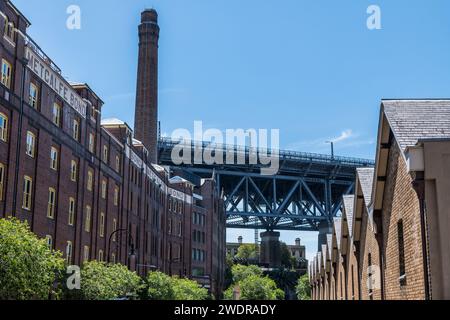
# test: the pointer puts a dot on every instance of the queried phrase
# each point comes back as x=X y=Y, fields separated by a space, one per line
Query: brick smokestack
x=146 y=112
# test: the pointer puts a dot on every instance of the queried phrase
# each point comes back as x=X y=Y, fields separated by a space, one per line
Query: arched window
x=51 y=203
x=69 y=252
x=73 y=170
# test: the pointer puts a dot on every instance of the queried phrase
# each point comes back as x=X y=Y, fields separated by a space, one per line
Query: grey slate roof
x=330 y=244
x=337 y=227
x=324 y=254
x=412 y=120
x=365 y=176
x=348 y=207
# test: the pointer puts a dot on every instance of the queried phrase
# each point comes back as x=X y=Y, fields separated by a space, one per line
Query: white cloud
x=345 y=135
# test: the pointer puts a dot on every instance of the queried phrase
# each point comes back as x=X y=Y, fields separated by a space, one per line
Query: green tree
x=247 y=252
x=159 y=286
x=185 y=289
x=303 y=288
x=100 y=281
x=287 y=260
x=240 y=272
x=256 y=287
x=28 y=268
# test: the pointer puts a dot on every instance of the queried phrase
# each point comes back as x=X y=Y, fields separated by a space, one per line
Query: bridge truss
x=305 y=193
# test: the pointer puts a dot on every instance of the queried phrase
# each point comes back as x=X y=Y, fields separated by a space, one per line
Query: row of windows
x=198 y=255
x=56 y=115
x=9 y=30
x=198 y=219
x=175 y=205
x=199 y=236
x=27 y=200
x=86 y=252
x=180 y=228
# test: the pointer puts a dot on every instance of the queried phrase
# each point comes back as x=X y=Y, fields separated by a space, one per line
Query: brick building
x=401 y=216
x=88 y=185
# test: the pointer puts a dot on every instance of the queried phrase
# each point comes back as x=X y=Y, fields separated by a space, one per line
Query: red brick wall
x=368 y=247
x=400 y=203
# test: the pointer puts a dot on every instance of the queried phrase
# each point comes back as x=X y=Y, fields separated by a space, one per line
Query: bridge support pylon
x=270 y=254
x=325 y=227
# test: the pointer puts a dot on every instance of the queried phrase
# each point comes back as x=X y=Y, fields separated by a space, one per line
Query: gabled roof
x=330 y=244
x=365 y=176
x=348 y=202
x=411 y=120
x=337 y=223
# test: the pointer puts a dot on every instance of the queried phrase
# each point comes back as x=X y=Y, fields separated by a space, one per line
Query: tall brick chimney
x=146 y=111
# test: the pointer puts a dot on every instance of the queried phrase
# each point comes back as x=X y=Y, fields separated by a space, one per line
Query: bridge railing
x=169 y=143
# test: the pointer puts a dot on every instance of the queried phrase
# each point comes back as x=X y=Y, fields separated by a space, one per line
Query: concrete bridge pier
x=325 y=228
x=270 y=254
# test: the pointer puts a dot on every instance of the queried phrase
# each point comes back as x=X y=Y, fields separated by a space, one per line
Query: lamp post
x=132 y=250
x=332 y=148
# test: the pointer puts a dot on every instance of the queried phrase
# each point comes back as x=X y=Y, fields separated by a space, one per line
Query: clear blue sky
x=310 y=68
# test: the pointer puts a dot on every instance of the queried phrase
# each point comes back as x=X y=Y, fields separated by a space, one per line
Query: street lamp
x=332 y=148
x=132 y=250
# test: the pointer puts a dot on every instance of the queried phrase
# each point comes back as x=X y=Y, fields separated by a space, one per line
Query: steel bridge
x=304 y=195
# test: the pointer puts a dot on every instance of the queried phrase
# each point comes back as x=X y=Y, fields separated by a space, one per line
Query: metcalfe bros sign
x=55 y=81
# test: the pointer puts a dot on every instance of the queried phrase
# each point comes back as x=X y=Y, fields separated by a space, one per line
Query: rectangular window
x=100 y=255
x=401 y=253
x=73 y=170
x=54 y=158
x=51 y=203
x=56 y=114
x=87 y=222
x=170 y=226
x=31 y=142
x=102 y=224
x=49 y=240
x=71 y=211
x=113 y=258
x=2 y=179
x=69 y=252
x=180 y=232
x=104 y=187
x=117 y=163
x=76 y=129
x=91 y=142
x=116 y=196
x=90 y=180
x=6 y=73
x=33 y=98
x=86 y=253
x=114 y=229
x=27 y=189
x=3 y=127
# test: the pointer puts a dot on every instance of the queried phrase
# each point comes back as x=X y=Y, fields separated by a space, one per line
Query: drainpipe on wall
x=416 y=167
x=24 y=63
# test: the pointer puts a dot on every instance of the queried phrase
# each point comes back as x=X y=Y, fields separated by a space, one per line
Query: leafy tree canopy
x=159 y=286
x=240 y=272
x=185 y=289
x=303 y=288
x=100 y=281
x=247 y=252
x=28 y=268
x=256 y=287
